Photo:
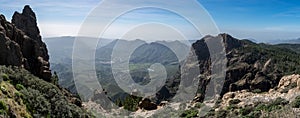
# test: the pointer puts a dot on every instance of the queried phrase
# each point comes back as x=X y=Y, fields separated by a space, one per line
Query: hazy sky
x=257 y=19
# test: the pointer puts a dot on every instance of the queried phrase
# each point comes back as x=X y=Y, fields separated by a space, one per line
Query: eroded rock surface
x=21 y=44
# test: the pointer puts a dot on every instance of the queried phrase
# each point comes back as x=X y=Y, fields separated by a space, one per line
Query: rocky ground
x=287 y=90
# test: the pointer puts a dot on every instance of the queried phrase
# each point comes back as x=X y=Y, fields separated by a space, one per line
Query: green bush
x=19 y=87
x=254 y=114
x=278 y=103
x=234 y=101
x=256 y=91
x=245 y=111
x=189 y=113
x=4 y=76
x=3 y=106
x=40 y=97
x=199 y=105
x=221 y=114
x=231 y=107
x=296 y=102
x=18 y=94
x=131 y=103
x=291 y=86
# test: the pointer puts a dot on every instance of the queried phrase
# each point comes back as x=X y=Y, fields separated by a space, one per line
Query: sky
x=261 y=20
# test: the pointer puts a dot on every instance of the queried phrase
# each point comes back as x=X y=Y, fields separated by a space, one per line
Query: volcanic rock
x=21 y=44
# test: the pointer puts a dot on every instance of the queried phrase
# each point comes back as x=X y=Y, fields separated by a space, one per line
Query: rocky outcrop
x=21 y=44
x=288 y=88
x=250 y=66
x=289 y=82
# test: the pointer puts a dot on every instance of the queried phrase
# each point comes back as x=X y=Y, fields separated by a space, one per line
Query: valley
x=168 y=71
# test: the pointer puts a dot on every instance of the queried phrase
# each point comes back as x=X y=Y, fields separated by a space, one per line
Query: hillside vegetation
x=25 y=95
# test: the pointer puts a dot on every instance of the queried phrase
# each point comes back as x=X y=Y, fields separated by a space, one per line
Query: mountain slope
x=28 y=88
x=140 y=60
x=253 y=70
x=293 y=47
x=36 y=97
x=255 y=84
x=250 y=66
x=256 y=66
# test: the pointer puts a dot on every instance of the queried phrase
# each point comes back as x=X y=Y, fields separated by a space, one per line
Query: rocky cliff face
x=21 y=44
x=251 y=67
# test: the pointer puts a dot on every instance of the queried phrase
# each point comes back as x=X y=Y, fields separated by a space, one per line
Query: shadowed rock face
x=21 y=44
x=250 y=66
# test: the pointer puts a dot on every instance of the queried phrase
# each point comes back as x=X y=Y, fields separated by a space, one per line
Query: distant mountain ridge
x=287 y=41
x=251 y=67
x=61 y=48
x=147 y=53
x=158 y=51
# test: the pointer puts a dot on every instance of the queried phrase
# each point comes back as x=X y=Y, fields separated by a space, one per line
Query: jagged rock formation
x=288 y=88
x=21 y=44
x=250 y=66
x=23 y=68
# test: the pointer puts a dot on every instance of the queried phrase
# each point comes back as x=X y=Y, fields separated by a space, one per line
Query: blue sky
x=256 y=19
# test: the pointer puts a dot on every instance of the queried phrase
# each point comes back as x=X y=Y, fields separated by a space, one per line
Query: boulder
x=262 y=83
x=147 y=104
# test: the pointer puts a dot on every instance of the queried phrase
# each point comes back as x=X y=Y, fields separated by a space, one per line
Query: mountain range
x=259 y=80
x=251 y=67
x=287 y=41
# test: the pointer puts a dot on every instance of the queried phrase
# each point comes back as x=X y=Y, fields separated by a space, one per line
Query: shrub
x=275 y=105
x=296 y=102
x=3 y=106
x=245 y=111
x=280 y=101
x=199 y=105
x=234 y=101
x=221 y=114
x=254 y=114
x=40 y=97
x=131 y=103
x=256 y=91
x=18 y=94
x=230 y=107
x=19 y=87
x=291 y=86
x=4 y=76
x=118 y=102
x=189 y=113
